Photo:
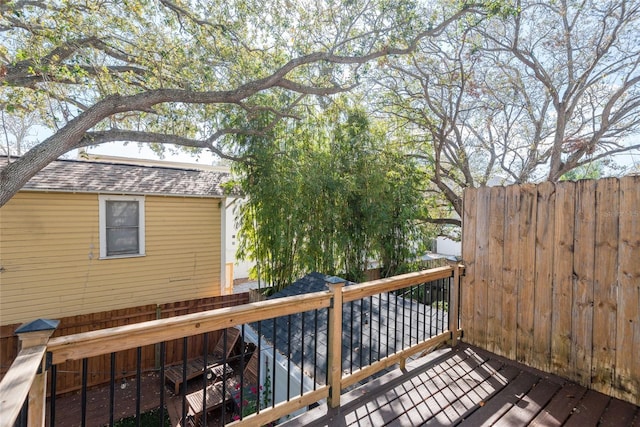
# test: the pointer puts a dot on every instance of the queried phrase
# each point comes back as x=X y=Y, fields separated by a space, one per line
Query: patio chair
x=214 y=391
x=196 y=367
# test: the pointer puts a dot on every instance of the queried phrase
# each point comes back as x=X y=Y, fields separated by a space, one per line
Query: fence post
x=454 y=300
x=32 y=334
x=334 y=345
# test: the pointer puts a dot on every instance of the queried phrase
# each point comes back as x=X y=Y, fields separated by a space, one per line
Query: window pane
x=122 y=214
x=122 y=227
x=122 y=241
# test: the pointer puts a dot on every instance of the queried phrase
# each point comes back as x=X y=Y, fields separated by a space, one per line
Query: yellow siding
x=50 y=249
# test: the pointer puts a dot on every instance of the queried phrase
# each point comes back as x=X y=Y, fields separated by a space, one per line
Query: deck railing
x=347 y=335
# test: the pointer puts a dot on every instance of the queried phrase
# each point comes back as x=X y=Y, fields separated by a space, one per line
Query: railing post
x=454 y=299
x=32 y=334
x=334 y=345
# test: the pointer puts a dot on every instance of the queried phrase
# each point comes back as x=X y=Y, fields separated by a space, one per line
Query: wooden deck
x=471 y=387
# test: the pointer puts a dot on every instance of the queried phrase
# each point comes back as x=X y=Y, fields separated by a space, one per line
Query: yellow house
x=91 y=236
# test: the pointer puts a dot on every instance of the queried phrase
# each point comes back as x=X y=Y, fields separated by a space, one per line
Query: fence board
x=467 y=288
x=605 y=286
x=543 y=291
x=482 y=266
x=510 y=273
x=562 y=283
x=627 y=375
x=527 y=258
x=583 y=262
x=495 y=282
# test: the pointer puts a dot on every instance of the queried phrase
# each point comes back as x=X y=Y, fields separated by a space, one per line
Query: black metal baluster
x=259 y=385
x=424 y=314
x=351 y=338
x=404 y=321
x=273 y=365
x=185 y=350
x=224 y=383
x=52 y=403
x=360 y=344
x=241 y=391
x=395 y=323
x=431 y=319
x=302 y=353
x=85 y=368
x=112 y=389
x=205 y=355
x=163 y=352
x=288 y=357
x=452 y=283
x=138 y=383
x=23 y=419
x=437 y=302
x=326 y=365
x=388 y=322
x=418 y=307
x=441 y=287
x=370 y=329
x=380 y=321
x=410 y=315
x=315 y=349
x=418 y=304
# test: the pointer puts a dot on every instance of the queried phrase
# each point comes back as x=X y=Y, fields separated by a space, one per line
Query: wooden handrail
x=389 y=284
x=16 y=384
x=88 y=344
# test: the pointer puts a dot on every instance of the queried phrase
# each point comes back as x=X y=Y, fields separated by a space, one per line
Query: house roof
x=82 y=176
x=379 y=325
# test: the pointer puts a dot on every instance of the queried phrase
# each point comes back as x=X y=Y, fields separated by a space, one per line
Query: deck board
x=619 y=413
x=464 y=398
x=503 y=401
x=470 y=387
x=589 y=410
x=451 y=386
x=526 y=409
x=561 y=407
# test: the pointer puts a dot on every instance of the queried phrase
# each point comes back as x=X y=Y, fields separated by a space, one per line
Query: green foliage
x=595 y=170
x=592 y=170
x=501 y=8
x=253 y=396
x=148 y=419
x=441 y=305
x=329 y=194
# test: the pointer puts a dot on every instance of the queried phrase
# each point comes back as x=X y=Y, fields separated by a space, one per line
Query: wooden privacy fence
x=553 y=279
x=69 y=373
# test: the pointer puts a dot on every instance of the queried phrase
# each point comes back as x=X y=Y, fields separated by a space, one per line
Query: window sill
x=123 y=256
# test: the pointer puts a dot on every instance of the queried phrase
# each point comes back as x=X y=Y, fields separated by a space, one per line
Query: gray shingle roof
x=120 y=178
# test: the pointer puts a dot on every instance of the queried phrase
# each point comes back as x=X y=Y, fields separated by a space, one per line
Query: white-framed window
x=121 y=226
